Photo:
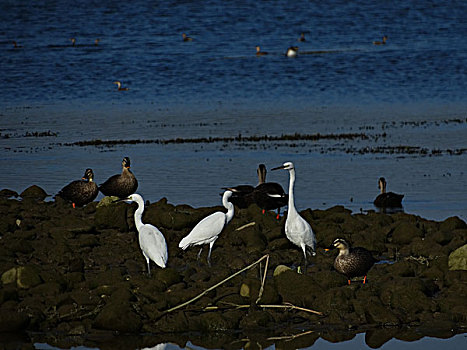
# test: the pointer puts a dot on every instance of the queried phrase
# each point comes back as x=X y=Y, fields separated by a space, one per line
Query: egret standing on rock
x=297 y=229
x=207 y=230
x=120 y=185
x=151 y=240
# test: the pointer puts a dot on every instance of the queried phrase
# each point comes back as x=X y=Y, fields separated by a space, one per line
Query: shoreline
x=79 y=273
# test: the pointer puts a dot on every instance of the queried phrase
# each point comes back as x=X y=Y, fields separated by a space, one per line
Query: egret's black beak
x=120 y=200
x=279 y=167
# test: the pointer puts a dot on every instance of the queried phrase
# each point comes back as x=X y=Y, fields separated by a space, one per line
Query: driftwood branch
x=216 y=285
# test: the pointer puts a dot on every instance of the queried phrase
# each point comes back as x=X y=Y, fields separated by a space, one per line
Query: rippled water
x=407 y=97
x=412 y=89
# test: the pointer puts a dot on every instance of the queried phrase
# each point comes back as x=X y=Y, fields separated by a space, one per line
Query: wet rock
x=458 y=259
x=118 y=316
x=405 y=232
x=452 y=223
x=297 y=289
x=6 y=193
x=25 y=277
x=34 y=192
x=12 y=320
x=112 y=216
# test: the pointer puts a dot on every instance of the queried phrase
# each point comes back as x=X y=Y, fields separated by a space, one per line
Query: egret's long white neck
x=139 y=213
x=291 y=185
x=230 y=209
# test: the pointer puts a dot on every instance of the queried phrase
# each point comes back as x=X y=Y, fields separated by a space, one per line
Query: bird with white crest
x=297 y=229
x=207 y=230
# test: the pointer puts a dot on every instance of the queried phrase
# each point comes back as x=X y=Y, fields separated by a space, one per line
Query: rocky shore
x=77 y=276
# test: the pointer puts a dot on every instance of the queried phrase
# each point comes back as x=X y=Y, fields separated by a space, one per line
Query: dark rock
x=118 y=316
x=452 y=223
x=6 y=193
x=405 y=232
x=112 y=216
x=12 y=320
x=34 y=192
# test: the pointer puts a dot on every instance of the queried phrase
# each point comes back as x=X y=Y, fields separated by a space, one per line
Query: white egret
x=80 y=192
x=120 y=185
x=207 y=230
x=151 y=240
x=297 y=229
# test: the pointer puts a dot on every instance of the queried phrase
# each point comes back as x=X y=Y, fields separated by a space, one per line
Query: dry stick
x=283 y=306
x=215 y=286
x=291 y=337
x=260 y=294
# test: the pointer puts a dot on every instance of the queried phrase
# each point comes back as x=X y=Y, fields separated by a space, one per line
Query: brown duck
x=80 y=192
x=120 y=185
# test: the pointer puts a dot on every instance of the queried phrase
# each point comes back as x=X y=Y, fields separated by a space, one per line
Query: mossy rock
x=405 y=232
x=112 y=216
x=458 y=259
x=34 y=192
x=27 y=277
x=118 y=316
x=6 y=193
x=297 y=289
x=452 y=223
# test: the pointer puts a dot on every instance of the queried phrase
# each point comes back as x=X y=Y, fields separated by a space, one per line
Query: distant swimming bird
x=387 y=199
x=292 y=51
x=207 y=230
x=302 y=37
x=96 y=42
x=186 y=38
x=269 y=195
x=352 y=262
x=259 y=52
x=151 y=240
x=80 y=192
x=383 y=42
x=120 y=185
x=16 y=46
x=73 y=42
x=242 y=195
x=297 y=229
x=119 y=86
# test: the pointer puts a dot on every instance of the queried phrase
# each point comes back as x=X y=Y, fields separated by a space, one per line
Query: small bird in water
x=186 y=37
x=387 y=199
x=259 y=52
x=119 y=86
x=302 y=37
x=297 y=229
x=383 y=42
x=151 y=240
x=207 y=230
x=120 y=185
x=292 y=51
x=80 y=192
x=352 y=262
x=16 y=45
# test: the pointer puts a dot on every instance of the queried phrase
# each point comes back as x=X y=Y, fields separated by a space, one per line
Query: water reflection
x=413 y=338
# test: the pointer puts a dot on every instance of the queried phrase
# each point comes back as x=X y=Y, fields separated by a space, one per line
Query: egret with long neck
x=151 y=240
x=297 y=229
x=207 y=230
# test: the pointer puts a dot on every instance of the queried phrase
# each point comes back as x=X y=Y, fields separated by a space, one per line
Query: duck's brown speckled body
x=80 y=192
x=120 y=185
x=352 y=262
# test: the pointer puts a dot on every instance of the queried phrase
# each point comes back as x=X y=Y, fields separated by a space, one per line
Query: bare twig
x=215 y=286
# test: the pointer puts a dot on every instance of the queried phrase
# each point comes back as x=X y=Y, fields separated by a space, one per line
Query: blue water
x=413 y=89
